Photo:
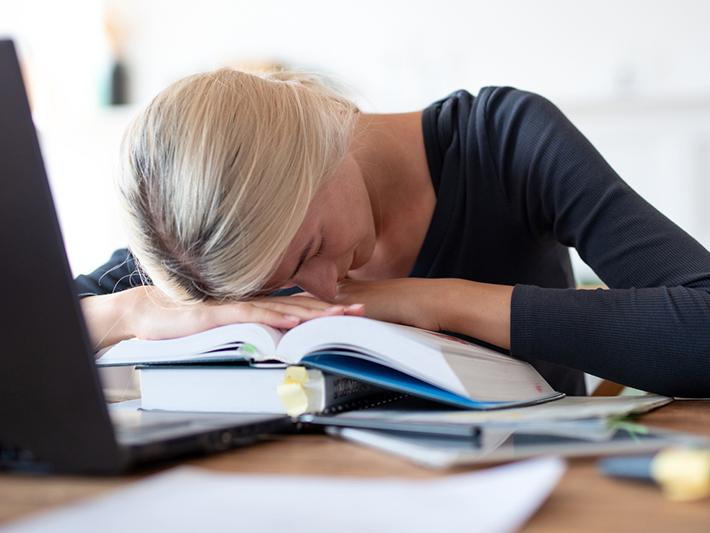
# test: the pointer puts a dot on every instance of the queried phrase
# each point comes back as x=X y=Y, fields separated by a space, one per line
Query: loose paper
x=188 y=499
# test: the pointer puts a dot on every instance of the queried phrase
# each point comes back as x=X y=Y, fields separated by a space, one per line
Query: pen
x=682 y=473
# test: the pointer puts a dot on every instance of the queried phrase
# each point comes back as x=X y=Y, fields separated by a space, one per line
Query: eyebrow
x=305 y=253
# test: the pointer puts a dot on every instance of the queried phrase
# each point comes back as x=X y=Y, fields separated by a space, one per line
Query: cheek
x=365 y=222
x=349 y=224
x=357 y=238
x=353 y=226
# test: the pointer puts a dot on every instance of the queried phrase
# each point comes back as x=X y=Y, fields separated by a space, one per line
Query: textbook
x=240 y=388
x=392 y=356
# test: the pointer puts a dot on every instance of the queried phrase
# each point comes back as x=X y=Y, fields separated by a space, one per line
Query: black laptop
x=53 y=416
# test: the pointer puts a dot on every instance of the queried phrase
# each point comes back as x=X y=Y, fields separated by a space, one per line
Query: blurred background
x=634 y=76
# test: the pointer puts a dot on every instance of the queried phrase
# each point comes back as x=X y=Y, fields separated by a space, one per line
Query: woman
x=454 y=218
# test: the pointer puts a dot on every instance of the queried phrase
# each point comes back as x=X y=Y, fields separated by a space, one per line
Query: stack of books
x=324 y=365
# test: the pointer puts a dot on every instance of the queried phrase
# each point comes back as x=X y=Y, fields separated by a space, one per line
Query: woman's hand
x=480 y=310
x=145 y=312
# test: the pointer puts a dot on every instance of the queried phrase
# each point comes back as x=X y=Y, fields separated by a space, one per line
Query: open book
x=402 y=358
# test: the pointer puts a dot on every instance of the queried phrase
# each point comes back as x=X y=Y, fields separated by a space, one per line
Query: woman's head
x=218 y=175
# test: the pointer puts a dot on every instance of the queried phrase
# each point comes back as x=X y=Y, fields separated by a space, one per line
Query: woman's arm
x=107 y=318
x=478 y=310
x=651 y=330
x=117 y=305
x=146 y=313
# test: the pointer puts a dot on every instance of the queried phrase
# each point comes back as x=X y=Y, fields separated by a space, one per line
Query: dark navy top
x=517 y=184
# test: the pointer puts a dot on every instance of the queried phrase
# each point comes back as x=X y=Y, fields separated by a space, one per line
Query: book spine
x=345 y=394
x=313 y=391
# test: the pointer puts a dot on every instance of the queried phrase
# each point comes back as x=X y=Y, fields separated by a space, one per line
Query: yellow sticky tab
x=684 y=474
x=292 y=391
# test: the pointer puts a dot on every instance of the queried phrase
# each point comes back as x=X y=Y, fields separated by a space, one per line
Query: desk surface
x=583 y=501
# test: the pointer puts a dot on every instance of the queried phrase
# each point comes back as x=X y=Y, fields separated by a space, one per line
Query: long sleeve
x=118 y=274
x=651 y=329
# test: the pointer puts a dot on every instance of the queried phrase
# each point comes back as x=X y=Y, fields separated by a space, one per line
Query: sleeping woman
x=271 y=198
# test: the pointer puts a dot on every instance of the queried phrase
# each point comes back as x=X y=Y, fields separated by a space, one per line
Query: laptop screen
x=51 y=404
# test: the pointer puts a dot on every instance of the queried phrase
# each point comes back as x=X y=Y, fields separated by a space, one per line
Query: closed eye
x=290 y=283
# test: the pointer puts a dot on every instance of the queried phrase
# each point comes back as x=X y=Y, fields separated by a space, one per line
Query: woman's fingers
x=355 y=309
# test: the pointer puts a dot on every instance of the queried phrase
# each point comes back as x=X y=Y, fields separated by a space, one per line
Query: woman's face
x=337 y=235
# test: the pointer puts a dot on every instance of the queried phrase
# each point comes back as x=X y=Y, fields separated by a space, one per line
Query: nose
x=320 y=278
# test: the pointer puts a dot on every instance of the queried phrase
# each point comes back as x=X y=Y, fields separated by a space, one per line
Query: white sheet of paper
x=188 y=500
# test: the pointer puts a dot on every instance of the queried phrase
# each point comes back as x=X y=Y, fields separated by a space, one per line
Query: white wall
x=634 y=75
x=402 y=54
x=661 y=147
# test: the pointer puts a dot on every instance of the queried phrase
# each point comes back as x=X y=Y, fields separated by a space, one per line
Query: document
x=187 y=499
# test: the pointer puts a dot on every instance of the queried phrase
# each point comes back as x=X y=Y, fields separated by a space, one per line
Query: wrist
x=479 y=310
x=450 y=311
x=108 y=317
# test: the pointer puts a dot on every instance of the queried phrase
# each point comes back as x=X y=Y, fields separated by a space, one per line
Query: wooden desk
x=583 y=501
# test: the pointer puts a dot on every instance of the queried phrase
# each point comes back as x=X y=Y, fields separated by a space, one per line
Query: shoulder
x=492 y=105
x=462 y=99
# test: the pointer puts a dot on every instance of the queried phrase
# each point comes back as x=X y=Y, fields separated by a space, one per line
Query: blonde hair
x=218 y=172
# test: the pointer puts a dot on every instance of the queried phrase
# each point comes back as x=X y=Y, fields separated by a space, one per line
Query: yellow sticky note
x=292 y=391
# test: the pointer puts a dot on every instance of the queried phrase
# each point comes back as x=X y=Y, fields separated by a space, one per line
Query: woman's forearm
x=107 y=317
x=480 y=310
x=145 y=312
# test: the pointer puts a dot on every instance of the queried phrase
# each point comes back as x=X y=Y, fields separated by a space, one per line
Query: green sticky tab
x=624 y=423
x=248 y=349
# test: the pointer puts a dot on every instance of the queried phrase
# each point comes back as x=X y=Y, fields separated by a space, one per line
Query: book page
x=392 y=345
x=225 y=343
